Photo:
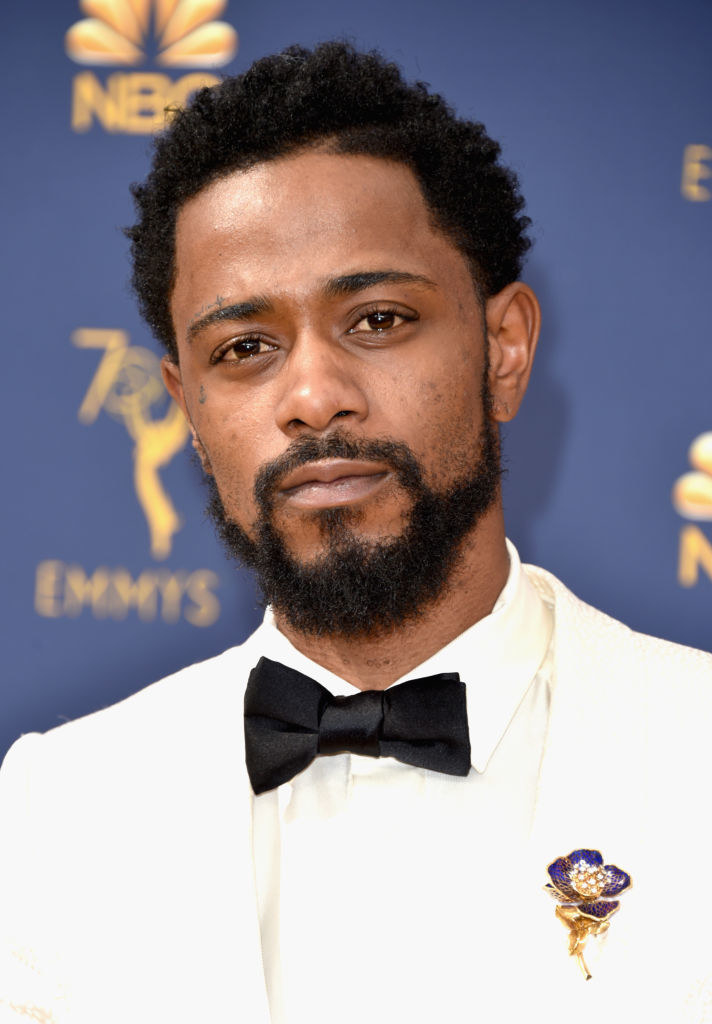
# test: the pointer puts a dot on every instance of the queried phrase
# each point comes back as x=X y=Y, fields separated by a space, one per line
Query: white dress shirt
x=377 y=881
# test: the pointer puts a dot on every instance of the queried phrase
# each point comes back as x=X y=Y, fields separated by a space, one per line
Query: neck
x=374 y=662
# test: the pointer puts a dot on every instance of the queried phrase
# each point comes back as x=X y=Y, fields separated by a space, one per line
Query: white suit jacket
x=127 y=889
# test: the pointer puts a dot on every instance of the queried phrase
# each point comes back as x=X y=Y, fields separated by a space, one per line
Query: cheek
x=447 y=400
x=441 y=417
x=232 y=446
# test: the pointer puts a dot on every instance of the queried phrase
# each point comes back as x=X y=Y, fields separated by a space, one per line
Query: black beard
x=358 y=587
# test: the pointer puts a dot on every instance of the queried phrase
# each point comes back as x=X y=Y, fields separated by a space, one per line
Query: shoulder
x=181 y=708
x=193 y=690
x=587 y=632
x=627 y=691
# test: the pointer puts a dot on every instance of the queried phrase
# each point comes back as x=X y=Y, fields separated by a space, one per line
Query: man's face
x=315 y=301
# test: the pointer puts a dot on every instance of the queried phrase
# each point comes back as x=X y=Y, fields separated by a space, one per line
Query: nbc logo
x=117 y=32
x=692 y=499
x=692 y=493
x=126 y=33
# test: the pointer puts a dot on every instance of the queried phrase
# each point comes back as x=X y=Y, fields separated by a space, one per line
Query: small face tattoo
x=208 y=307
x=202 y=394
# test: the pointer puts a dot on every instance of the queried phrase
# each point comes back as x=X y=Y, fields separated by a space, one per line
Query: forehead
x=302 y=218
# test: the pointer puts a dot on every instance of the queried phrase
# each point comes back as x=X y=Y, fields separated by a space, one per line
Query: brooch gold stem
x=580 y=928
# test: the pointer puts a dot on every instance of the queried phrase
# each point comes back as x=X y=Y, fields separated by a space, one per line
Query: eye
x=241 y=350
x=378 y=321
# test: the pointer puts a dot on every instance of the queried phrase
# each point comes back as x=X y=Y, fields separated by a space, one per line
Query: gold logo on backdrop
x=117 y=32
x=183 y=34
x=126 y=385
x=696 y=170
x=66 y=590
x=692 y=493
x=692 y=499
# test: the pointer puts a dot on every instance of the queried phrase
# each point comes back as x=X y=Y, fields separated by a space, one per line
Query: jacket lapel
x=250 y=991
x=593 y=770
x=592 y=790
x=253 y=989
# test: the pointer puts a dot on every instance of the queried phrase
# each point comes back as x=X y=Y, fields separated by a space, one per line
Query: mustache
x=339 y=445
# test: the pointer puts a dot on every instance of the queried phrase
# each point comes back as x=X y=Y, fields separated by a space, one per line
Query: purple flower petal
x=600 y=909
x=619 y=881
x=559 y=873
x=559 y=895
x=592 y=857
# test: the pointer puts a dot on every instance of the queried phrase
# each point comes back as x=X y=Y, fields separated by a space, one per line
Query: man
x=332 y=261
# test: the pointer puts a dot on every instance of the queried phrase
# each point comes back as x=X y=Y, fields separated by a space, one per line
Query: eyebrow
x=236 y=311
x=349 y=284
x=333 y=288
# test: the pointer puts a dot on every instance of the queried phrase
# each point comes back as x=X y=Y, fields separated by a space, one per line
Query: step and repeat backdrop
x=112 y=575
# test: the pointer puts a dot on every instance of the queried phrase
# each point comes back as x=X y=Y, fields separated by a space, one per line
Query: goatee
x=359 y=587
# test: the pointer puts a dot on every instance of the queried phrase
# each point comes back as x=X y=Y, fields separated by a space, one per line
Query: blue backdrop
x=112 y=576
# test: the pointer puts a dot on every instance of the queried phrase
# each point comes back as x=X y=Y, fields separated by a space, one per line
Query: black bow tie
x=290 y=719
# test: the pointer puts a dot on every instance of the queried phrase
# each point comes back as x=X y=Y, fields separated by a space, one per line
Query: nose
x=321 y=385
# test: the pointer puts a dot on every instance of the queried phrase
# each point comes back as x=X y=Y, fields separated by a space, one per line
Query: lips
x=332 y=482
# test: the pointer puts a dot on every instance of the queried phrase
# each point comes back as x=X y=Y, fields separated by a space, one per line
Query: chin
x=324 y=530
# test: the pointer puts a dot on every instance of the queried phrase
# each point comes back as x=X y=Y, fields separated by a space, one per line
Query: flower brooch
x=582 y=884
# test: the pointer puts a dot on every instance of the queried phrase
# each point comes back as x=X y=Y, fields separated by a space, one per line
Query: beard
x=361 y=587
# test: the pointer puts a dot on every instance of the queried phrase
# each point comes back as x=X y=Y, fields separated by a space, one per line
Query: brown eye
x=243 y=349
x=246 y=348
x=380 y=321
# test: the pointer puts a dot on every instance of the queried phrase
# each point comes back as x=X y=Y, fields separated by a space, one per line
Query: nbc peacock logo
x=692 y=499
x=185 y=31
x=170 y=34
x=692 y=493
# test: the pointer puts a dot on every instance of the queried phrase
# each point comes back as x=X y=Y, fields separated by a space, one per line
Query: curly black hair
x=356 y=103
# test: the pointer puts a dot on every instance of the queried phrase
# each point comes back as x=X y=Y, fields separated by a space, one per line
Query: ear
x=513 y=319
x=170 y=371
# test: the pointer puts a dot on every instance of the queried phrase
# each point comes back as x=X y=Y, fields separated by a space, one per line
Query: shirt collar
x=497 y=658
